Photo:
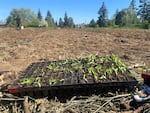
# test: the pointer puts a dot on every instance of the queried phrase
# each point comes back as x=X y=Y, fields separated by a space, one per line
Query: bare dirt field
x=18 y=49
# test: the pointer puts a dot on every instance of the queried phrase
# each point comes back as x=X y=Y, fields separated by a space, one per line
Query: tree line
x=131 y=16
x=29 y=19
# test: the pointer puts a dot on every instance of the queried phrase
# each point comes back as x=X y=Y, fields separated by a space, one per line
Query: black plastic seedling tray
x=78 y=89
x=78 y=76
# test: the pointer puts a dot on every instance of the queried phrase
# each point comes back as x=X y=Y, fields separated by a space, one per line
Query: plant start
x=82 y=68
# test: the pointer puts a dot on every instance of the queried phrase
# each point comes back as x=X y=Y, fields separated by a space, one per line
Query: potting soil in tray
x=74 y=72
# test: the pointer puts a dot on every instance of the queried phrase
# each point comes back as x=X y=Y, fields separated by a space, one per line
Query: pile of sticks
x=89 y=104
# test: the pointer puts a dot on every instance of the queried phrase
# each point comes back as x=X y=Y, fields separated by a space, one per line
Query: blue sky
x=82 y=11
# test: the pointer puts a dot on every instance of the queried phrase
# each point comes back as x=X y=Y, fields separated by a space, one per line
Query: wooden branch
x=26 y=105
x=12 y=99
x=118 y=96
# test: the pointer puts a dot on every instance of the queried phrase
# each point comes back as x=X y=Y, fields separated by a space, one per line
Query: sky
x=82 y=11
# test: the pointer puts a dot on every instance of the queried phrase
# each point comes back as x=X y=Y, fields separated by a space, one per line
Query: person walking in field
x=18 y=22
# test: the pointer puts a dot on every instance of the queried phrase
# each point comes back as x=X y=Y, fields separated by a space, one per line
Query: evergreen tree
x=102 y=19
x=132 y=5
x=144 y=11
x=49 y=13
x=119 y=17
x=50 y=19
x=66 y=20
x=61 y=23
x=39 y=15
x=56 y=23
x=131 y=13
x=70 y=22
x=148 y=10
x=127 y=16
x=116 y=13
x=93 y=23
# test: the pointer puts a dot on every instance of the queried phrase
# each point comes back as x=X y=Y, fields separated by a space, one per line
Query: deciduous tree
x=27 y=16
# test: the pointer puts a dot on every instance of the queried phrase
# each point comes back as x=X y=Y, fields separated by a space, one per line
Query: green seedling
x=102 y=77
x=74 y=60
x=108 y=72
x=115 y=70
x=92 y=59
x=61 y=80
x=104 y=59
x=92 y=71
x=68 y=69
x=120 y=65
x=50 y=67
x=77 y=66
x=98 y=67
x=65 y=62
x=85 y=77
x=56 y=68
x=35 y=71
x=37 y=81
x=26 y=81
x=52 y=81
x=43 y=73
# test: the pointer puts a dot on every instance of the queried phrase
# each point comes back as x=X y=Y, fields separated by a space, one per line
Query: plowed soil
x=20 y=48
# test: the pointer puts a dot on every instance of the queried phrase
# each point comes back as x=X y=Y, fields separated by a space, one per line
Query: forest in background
x=131 y=17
